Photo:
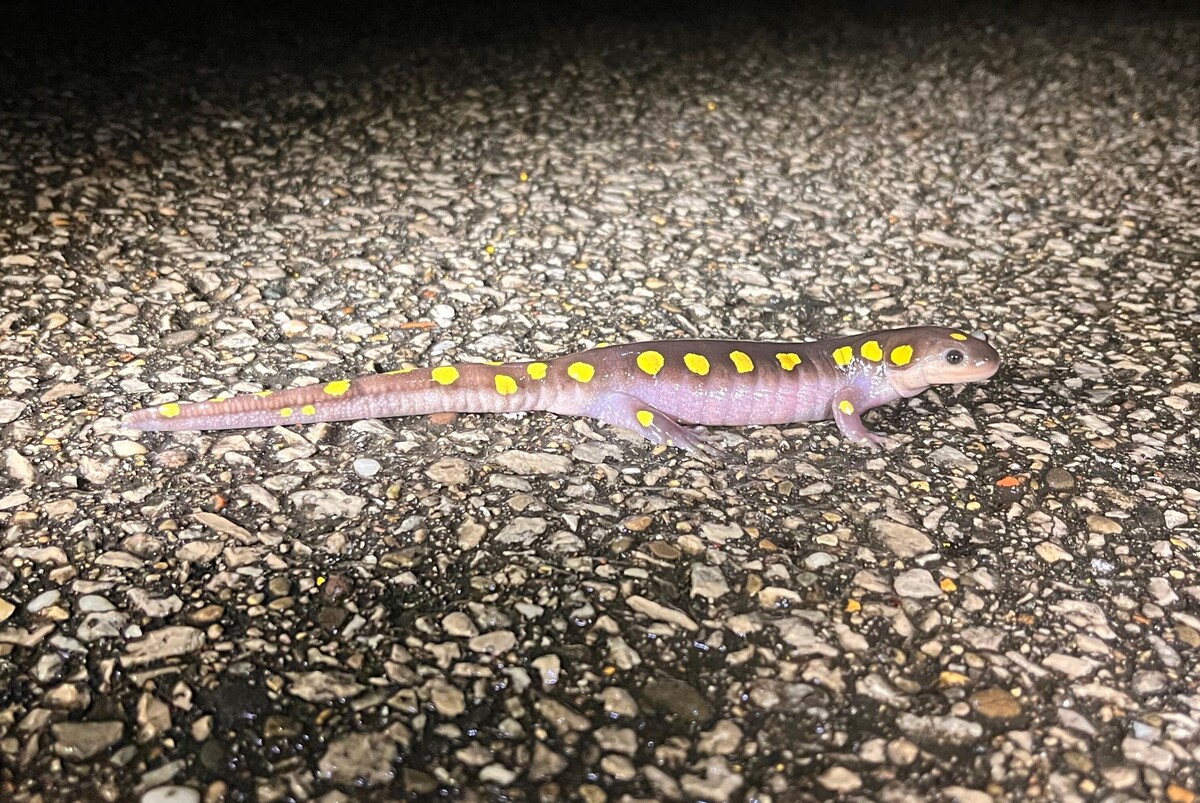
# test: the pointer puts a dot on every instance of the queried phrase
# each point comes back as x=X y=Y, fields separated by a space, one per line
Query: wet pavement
x=1004 y=605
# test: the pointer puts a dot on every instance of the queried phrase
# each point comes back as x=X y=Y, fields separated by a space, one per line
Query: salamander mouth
x=964 y=374
x=915 y=380
x=983 y=368
x=991 y=370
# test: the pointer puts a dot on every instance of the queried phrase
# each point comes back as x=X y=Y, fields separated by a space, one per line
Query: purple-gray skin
x=655 y=389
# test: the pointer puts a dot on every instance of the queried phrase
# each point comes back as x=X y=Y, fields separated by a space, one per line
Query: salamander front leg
x=848 y=417
x=623 y=410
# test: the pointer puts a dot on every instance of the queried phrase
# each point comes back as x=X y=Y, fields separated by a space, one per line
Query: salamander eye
x=954 y=356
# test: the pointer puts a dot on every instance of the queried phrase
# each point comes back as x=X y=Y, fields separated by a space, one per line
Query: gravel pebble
x=459 y=625
x=450 y=471
x=171 y=794
x=917 y=583
x=80 y=741
x=447 y=699
x=902 y=752
x=1059 y=480
x=1141 y=752
x=661 y=612
x=619 y=703
x=840 y=780
x=366 y=467
x=677 y=698
x=322 y=687
x=717 y=782
x=328 y=503
x=43 y=601
x=522 y=530
x=94 y=603
x=166 y=642
x=561 y=717
x=708 y=582
x=10 y=410
x=901 y=540
x=549 y=667
x=495 y=643
x=954 y=458
x=526 y=463
x=941 y=729
x=994 y=703
x=1103 y=524
x=722 y=739
x=1052 y=553
x=359 y=759
x=1070 y=665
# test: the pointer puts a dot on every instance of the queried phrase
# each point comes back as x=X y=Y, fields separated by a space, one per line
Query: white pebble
x=366 y=467
x=43 y=600
x=171 y=794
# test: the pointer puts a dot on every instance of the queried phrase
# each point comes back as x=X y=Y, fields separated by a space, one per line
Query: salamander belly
x=778 y=400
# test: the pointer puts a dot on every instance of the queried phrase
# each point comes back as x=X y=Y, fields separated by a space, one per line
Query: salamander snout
x=957 y=358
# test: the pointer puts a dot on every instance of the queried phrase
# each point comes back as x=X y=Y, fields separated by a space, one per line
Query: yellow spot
x=958 y=336
x=337 y=388
x=947 y=585
x=843 y=356
x=950 y=679
x=742 y=362
x=169 y=410
x=581 y=371
x=215 y=400
x=696 y=363
x=846 y=407
x=788 y=360
x=523 y=176
x=263 y=393
x=491 y=249
x=536 y=370
x=320 y=580
x=853 y=606
x=505 y=385
x=651 y=362
x=400 y=371
x=444 y=374
x=871 y=351
x=285 y=412
x=645 y=417
x=308 y=409
x=902 y=355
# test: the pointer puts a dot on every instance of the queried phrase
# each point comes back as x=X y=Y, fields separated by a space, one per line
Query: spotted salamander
x=655 y=388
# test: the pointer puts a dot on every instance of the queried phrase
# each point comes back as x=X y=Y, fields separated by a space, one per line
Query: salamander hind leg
x=630 y=412
x=847 y=414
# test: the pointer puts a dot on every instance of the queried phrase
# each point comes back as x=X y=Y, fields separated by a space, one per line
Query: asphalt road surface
x=1003 y=605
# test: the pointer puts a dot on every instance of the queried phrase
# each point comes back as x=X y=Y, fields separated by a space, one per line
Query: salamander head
x=937 y=356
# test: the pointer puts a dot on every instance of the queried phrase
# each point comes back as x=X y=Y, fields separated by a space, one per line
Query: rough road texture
x=1004 y=606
